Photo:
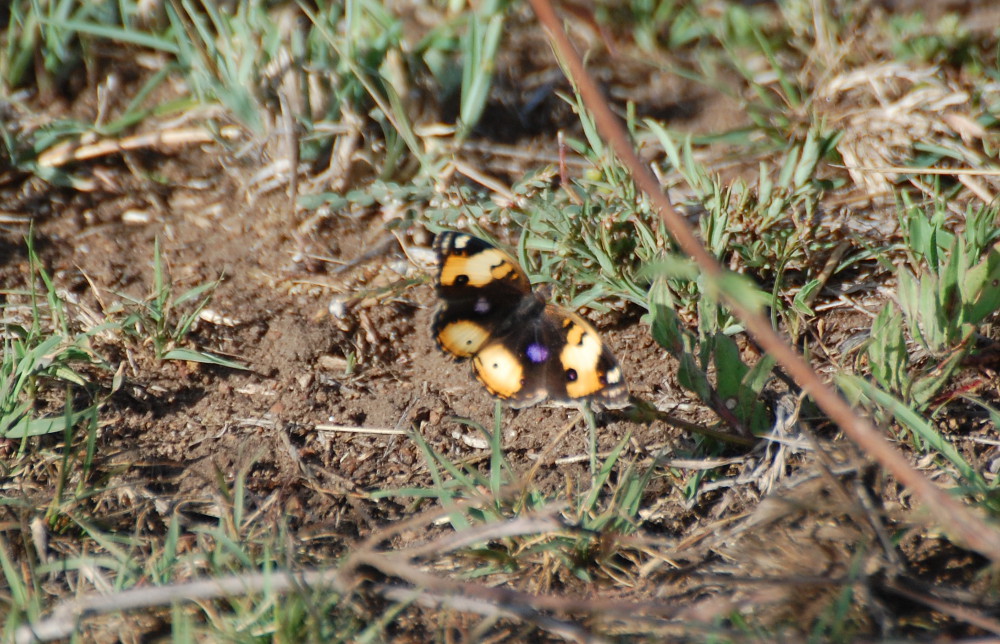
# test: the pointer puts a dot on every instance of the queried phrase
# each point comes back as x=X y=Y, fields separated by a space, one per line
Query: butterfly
x=523 y=349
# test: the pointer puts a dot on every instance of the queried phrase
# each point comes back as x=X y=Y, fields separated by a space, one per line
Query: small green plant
x=950 y=288
x=766 y=232
x=35 y=357
x=925 y=435
x=736 y=395
x=595 y=514
x=165 y=320
x=453 y=483
x=948 y=40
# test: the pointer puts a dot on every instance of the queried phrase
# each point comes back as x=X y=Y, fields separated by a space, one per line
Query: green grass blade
x=917 y=424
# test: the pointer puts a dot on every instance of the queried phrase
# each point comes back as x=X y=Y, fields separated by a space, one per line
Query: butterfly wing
x=552 y=354
x=480 y=287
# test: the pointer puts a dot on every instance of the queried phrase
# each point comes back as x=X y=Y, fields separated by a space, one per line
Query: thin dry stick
x=959 y=612
x=543 y=521
x=396 y=565
x=351 y=429
x=63 y=620
x=565 y=629
x=64 y=153
x=968 y=528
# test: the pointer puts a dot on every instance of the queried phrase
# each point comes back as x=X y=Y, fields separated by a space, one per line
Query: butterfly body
x=523 y=349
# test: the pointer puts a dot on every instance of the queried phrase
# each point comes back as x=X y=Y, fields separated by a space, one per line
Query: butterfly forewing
x=479 y=286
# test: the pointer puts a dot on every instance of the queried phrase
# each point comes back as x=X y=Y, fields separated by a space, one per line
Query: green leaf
x=887 y=350
x=915 y=423
x=751 y=408
x=203 y=357
x=799 y=304
x=41 y=426
x=927 y=385
x=481 y=42
x=691 y=377
x=665 y=327
x=142 y=39
x=740 y=289
x=605 y=472
x=983 y=286
x=195 y=292
x=729 y=367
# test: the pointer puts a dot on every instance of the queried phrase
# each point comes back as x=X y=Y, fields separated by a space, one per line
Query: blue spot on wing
x=537 y=352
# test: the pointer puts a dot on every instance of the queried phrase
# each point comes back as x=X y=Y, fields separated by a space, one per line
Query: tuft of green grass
x=312 y=75
x=52 y=386
x=595 y=515
x=165 y=319
x=945 y=294
x=40 y=355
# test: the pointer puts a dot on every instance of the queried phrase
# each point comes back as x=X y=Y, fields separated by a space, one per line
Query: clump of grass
x=313 y=79
x=945 y=295
x=52 y=385
x=41 y=353
x=606 y=508
x=165 y=319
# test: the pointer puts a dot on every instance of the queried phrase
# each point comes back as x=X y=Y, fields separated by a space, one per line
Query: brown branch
x=967 y=528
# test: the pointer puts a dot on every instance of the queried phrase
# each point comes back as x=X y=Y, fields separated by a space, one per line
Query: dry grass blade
x=567 y=630
x=71 y=151
x=965 y=526
x=64 y=619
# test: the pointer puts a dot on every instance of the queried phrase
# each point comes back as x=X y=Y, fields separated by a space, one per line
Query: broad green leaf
x=729 y=367
x=691 y=377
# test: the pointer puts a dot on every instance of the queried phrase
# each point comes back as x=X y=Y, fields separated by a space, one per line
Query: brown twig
x=956 y=611
x=69 y=151
x=967 y=528
x=563 y=628
x=63 y=621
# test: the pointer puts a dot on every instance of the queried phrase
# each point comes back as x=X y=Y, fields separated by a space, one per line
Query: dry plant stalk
x=70 y=151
